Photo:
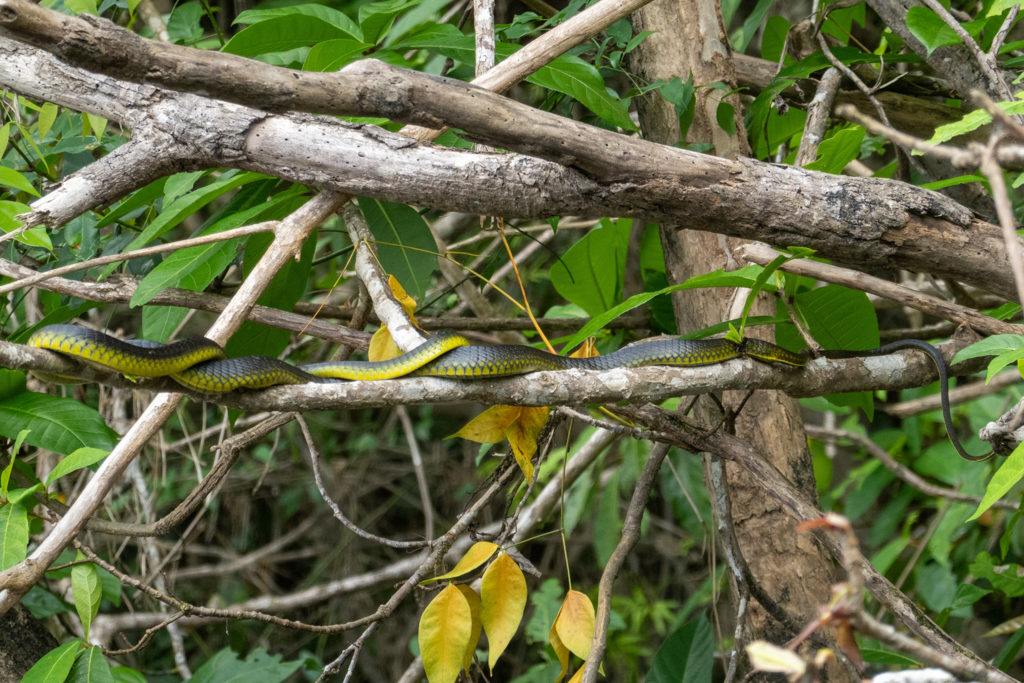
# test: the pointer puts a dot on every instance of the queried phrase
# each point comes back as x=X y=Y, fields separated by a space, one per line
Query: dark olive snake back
x=200 y=365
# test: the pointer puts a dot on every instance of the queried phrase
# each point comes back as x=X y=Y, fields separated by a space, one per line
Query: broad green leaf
x=124 y=674
x=184 y=26
x=35 y=237
x=404 y=244
x=133 y=203
x=685 y=656
x=91 y=667
x=284 y=33
x=55 y=665
x=478 y=553
x=757 y=287
x=98 y=124
x=576 y=78
x=929 y=28
x=1002 y=360
x=742 y=36
x=503 y=601
x=160 y=322
x=590 y=273
x=187 y=205
x=375 y=18
x=85 y=585
x=179 y=184
x=445 y=630
x=1004 y=479
x=83 y=457
x=257 y=667
x=5 y=476
x=331 y=55
x=5 y=135
x=773 y=38
x=82 y=6
x=995 y=345
x=839 y=318
x=204 y=262
x=62 y=425
x=47 y=115
x=836 y=151
x=13 y=534
x=11 y=178
x=328 y=15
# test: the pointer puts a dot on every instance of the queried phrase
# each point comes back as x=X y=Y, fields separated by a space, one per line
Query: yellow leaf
x=767 y=657
x=561 y=651
x=474 y=635
x=578 y=676
x=522 y=436
x=382 y=346
x=503 y=597
x=585 y=350
x=479 y=553
x=408 y=303
x=575 y=623
x=490 y=425
x=446 y=627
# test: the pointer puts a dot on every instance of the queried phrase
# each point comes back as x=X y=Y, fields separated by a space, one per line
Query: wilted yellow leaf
x=578 y=676
x=474 y=633
x=522 y=436
x=382 y=346
x=561 y=651
x=767 y=657
x=408 y=303
x=446 y=627
x=479 y=553
x=503 y=598
x=490 y=425
x=585 y=350
x=575 y=623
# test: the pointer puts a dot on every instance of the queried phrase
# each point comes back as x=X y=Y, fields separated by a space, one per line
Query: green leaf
x=34 y=237
x=742 y=37
x=331 y=55
x=61 y=425
x=773 y=39
x=758 y=286
x=85 y=585
x=11 y=178
x=838 y=318
x=184 y=26
x=996 y=345
x=5 y=136
x=47 y=115
x=686 y=656
x=1007 y=578
x=949 y=182
x=83 y=457
x=91 y=667
x=185 y=206
x=329 y=15
x=204 y=262
x=929 y=28
x=257 y=667
x=607 y=523
x=13 y=534
x=375 y=18
x=124 y=674
x=590 y=273
x=55 y=665
x=5 y=476
x=1005 y=478
x=404 y=244
x=836 y=151
x=576 y=78
x=285 y=33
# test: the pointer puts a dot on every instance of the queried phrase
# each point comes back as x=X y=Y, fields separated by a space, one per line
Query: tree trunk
x=793 y=570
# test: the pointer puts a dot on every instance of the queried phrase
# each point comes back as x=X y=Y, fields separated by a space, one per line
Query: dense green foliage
x=961 y=563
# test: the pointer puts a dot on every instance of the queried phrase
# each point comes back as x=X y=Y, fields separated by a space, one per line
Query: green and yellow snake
x=200 y=365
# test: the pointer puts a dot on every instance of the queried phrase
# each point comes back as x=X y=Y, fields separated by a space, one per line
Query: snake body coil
x=201 y=365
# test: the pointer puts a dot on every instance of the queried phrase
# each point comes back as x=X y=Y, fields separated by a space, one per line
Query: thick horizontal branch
x=567 y=387
x=865 y=221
